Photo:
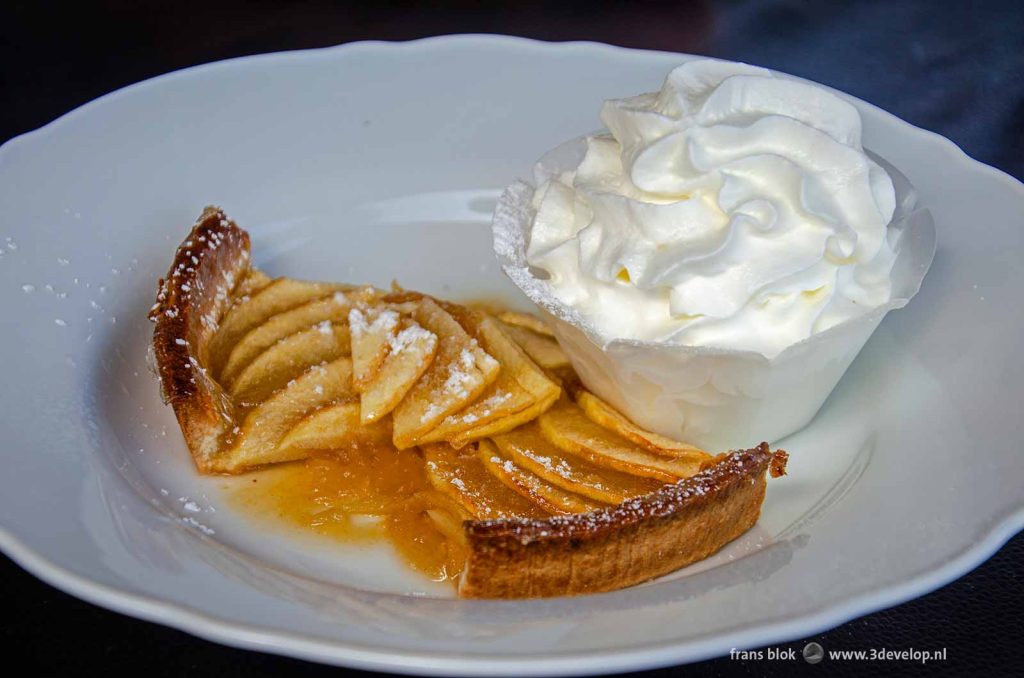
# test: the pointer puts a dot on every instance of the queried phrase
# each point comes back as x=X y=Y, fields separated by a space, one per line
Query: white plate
x=373 y=161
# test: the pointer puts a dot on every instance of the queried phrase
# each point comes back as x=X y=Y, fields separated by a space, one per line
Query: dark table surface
x=954 y=68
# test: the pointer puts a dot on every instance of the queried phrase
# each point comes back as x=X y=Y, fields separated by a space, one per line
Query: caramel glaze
x=364 y=494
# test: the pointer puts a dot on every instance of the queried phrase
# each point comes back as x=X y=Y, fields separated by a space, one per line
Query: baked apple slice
x=527 y=321
x=334 y=308
x=529 y=449
x=459 y=373
x=373 y=330
x=567 y=427
x=288 y=358
x=254 y=281
x=410 y=352
x=336 y=427
x=258 y=440
x=543 y=349
x=519 y=386
x=552 y=498
x=281 y=295
x=600 y=412
x=462 y=477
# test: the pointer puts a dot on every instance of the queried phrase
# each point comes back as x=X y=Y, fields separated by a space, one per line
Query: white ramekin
x=716 y=398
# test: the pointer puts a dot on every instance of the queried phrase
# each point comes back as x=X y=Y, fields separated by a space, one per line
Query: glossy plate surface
x=376 y=161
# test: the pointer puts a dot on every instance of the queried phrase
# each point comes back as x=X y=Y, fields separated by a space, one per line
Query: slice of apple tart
x=532 y=485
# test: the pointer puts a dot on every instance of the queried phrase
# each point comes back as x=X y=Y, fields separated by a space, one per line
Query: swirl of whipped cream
x=734 y=209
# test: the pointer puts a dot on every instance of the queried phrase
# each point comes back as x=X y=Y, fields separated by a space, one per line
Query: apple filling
x=404 y=416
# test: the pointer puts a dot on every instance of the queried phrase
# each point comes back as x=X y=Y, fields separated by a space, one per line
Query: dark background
x=954 y=68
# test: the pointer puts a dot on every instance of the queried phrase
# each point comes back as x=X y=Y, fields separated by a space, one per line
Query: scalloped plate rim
x=638 y=657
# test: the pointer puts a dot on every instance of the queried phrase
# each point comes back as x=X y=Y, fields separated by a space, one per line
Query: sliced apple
x=288 y=358
x=520 y=383
x=604 y=414
x=500 y=400
x=459 y=373
x=257 y=441
x=254 y=281
x=434 y=498
x=334 y=307
x=505 y=424
x=526 y=320
x=448 y=524
x=543 y=349
x=410 y=353
x=373 y=329
x=336 y=427
x=548 y=496
x=428 y=535
x=463 y=478
x=529 y=449
x=567 y=427
x=279 y=296
x=446 y=513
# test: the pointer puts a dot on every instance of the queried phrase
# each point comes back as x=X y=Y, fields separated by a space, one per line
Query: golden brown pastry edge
x=190 y=302
x=623 y=545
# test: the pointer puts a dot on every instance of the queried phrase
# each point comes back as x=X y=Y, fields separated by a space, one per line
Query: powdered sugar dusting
x=357 y=323
x=413 y=334
x=459 y=376
x=433 y=410
x=385 y=321
x=480 y=410
x=192 y=522
x=562 y=468
x=499 y=398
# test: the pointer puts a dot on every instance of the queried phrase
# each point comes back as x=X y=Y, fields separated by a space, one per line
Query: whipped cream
x=733 y=209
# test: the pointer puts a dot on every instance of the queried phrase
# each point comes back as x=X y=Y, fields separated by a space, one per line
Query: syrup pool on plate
x=368 y=493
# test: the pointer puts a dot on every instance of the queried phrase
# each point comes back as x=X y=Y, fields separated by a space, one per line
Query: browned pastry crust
x=633 y=542
x=190 y=302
